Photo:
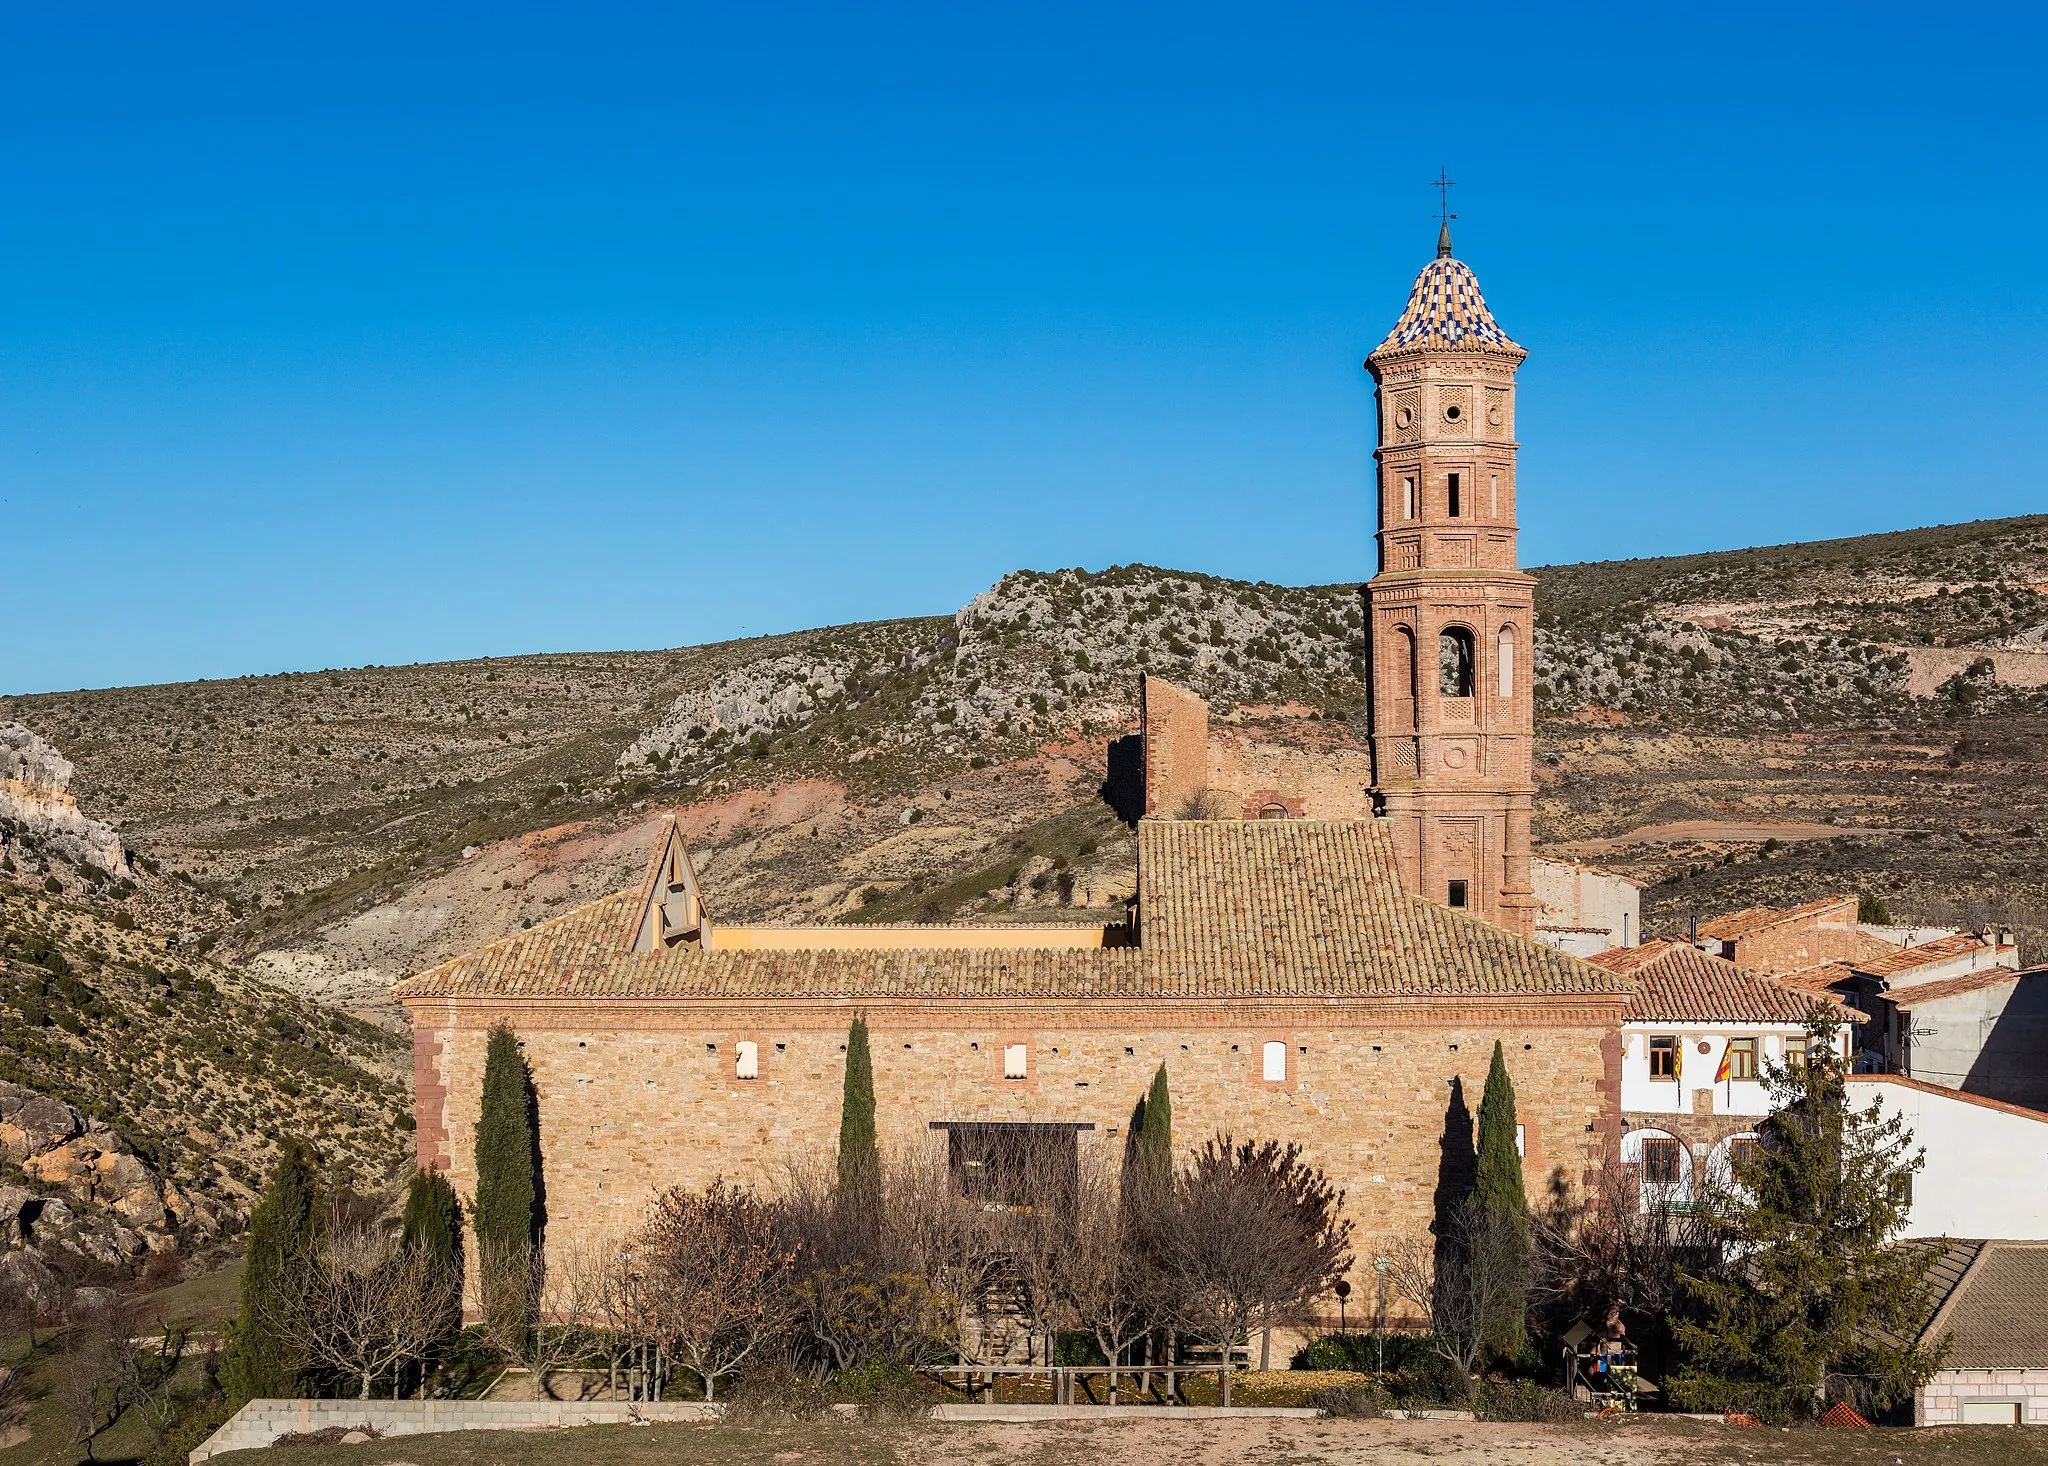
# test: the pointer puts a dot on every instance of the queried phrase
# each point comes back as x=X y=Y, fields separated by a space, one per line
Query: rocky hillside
x=142 y=1091
x=340 y=828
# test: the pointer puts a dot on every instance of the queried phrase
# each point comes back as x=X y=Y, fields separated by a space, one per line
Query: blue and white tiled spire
x=1446 y=309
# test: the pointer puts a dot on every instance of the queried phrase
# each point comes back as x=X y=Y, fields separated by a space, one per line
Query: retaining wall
x=260 y=1422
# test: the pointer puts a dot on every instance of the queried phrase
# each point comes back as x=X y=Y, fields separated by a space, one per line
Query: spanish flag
x=1722 y=1073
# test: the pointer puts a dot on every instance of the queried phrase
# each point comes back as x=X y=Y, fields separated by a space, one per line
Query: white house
x=1986 y=1167
x=1696 y=1042
x=1581 y=909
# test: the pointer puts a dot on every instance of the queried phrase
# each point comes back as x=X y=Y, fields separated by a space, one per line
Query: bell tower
x=1449 y=616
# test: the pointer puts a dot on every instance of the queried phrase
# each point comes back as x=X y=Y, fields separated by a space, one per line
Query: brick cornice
x=833 y=1014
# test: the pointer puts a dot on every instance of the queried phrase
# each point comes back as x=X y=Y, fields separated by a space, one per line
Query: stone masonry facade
x=637 y=1097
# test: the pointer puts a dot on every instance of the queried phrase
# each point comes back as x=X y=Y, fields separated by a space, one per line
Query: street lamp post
x=1343 y=1291
x=1379 y=1265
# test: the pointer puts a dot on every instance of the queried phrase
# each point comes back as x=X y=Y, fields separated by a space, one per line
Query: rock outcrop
x=36 y=798
x=87 y=1191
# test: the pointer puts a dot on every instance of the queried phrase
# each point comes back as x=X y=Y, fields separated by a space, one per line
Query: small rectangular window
x=1407 y=498
x=1454 y=496
x=1495 y=510
x=1273 y=1062
x=1660 y=1162
x=1457 y=894
x=1522 y=1141
x=1795 y=1053
x=1742 y=1058
x=1741 y=1153
x=1663 y=1058
x=1016 y=1061
x=747 y=1064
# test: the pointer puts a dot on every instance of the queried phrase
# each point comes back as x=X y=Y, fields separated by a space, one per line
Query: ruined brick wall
x=1829 y=937
x=1315 y=782
x=1175 y=726
x=638 y=1096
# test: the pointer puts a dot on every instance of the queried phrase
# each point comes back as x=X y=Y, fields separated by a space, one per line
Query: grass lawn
x=1642 y=1442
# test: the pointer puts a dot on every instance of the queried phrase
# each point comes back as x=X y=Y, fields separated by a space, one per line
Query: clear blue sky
x=389 y=334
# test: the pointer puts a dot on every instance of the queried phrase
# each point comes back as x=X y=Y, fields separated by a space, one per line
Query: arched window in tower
x=1504 y=659
x=1410 y=685
x=1454 y=662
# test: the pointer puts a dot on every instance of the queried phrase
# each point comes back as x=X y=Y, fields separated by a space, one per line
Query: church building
x=1332 y=968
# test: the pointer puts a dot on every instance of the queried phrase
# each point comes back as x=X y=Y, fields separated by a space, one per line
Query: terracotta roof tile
x=1920 y=994
x=1753 y=919
x=1678 y=983
x=1227 y=908
x=1941 y=949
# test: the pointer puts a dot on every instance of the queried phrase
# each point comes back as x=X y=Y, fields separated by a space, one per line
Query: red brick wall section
x=1176 y=733
x=430 y=1099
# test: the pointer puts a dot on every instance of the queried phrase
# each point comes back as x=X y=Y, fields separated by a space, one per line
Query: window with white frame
x=1273 y=1062
x=1016 y=1061
x=747 y=1060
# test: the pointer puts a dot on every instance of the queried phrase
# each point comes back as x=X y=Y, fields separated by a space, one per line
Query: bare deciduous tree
x=1612 y=1249
x=105 y=1373
x=1253 y=1236
x=718 y=1289
x=369 y=1308
x=929 y=1229
x=1108 y=1274
x=1463 y=1278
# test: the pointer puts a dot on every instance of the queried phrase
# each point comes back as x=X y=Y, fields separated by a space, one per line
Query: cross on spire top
x=1444 y=183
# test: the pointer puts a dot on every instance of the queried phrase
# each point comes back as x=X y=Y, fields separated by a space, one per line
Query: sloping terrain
x=342 y=828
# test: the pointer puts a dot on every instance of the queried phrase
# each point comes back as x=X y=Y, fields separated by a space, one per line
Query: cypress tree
x=506 y=1215
x=433 y=1218
x=263 y=1362
x=1503 y=1207
x=1155 y=1138
x=860 y=1161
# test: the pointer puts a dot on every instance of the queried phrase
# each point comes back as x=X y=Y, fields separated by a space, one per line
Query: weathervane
x=1444 y=184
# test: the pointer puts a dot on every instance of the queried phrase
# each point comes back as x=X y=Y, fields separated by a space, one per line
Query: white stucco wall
x=1576 y=904
x=1640 y=1094
x=1986 y=1173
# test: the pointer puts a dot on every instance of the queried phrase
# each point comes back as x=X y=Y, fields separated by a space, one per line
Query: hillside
x=340 y=828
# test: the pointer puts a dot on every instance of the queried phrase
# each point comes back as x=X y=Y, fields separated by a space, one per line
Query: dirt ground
x=1261 y=1442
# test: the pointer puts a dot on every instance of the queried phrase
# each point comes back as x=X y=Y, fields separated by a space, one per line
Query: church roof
x=1445 y=308
x=1227 y=908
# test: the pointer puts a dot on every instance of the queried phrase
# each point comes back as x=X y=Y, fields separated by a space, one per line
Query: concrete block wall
x=1940 y=1401
x=260 y=1422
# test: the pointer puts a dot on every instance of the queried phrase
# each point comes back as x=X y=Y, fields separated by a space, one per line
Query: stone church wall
x=636 y=1097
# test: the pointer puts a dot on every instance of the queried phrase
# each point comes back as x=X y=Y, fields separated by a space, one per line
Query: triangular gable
x=671 y=909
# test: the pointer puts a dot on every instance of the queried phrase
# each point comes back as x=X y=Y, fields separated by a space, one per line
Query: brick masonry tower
x=1448 y=617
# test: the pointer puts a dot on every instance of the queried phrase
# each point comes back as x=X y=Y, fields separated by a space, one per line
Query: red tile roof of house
x=1941 y=949
x=1752 y=919
x=1921 y=994
x=1678 y=983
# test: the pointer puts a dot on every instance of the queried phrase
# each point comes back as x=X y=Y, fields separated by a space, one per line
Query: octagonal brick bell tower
x=1448 y=618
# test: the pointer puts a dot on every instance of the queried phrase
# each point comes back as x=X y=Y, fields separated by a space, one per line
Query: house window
x=1742 y=1058
x=1454 y=655
x=1407 y=498
x=1505 y=661
x=1728 y=951
x=1495 y=484
x=1741 y=1153
x=1273 y=1062
x=1454 y=496
x=1457 y=894
x=1795 y=1053
x=1660 y=1161
x=1663 y=1058
x=1272 y=811
x=1016 y=1061
x=747 y=1059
